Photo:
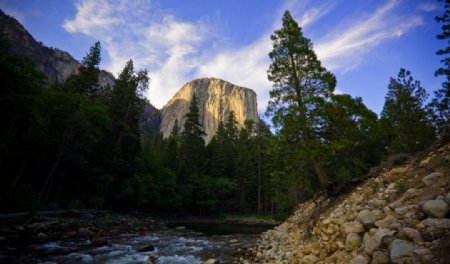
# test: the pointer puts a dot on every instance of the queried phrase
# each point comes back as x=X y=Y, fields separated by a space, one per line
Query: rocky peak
x=216 y=99
x=55 y=63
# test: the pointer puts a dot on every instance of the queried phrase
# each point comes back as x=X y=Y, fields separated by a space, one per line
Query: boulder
x=422 y=255
x=424 y=162
x=447 y=198
x=406 y=209
x=352 y=227
x=380 y=257
x=401 y=251
x=436 y=225
x=368 y=218
x=411 y=234
x=436 y=208
x=377 y=203
x=394 y=174
x=359 y=260
x=352 y=242
x=373 y=242
x=432 y=178
x=211 y=261
x=386 y=222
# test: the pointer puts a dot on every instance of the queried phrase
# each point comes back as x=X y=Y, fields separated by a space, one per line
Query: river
x=195 y=244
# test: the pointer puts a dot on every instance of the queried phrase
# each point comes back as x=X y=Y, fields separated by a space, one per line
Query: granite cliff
x=216 y=99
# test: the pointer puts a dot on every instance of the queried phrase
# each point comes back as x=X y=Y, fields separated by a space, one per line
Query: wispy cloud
x=428 y=7
x=153 y=38
x=247 y=66
x=176 y=51
x=345 y=49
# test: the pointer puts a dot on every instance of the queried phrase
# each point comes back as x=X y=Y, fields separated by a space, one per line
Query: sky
x=363 y=42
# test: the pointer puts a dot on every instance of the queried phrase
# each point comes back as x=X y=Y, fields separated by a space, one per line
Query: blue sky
x=363 y=42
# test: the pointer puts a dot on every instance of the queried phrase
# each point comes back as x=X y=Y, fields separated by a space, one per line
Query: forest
x=78 y=144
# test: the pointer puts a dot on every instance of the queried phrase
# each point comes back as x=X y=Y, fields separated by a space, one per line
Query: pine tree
x=86 y=82
x=301 y=87
x=441 y=102
x=405 y=111
x=192 y=143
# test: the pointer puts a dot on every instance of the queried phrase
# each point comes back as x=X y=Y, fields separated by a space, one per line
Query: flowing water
x=194 y=245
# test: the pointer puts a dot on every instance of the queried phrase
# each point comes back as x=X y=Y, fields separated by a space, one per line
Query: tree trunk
x=321 y=174
x=259 y=179
x=61 y=150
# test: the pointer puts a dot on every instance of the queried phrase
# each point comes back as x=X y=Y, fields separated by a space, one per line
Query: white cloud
x=428 y=7
x=176 y=51
x=345 y=49
x=156 y=40
x=247 y=66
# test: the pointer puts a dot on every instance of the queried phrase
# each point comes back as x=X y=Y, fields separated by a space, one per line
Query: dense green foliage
x=78 y=143
x=441 y=102
x=404 y=110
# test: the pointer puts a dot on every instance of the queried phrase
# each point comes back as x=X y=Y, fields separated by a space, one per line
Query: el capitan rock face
x=216 y=99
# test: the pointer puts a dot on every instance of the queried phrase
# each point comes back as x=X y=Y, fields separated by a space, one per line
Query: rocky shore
x=25 y=229
x=400 y=215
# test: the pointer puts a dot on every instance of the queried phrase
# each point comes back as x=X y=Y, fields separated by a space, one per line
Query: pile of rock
x=400 y=216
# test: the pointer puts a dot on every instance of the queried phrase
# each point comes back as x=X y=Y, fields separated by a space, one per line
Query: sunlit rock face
x=216 y=99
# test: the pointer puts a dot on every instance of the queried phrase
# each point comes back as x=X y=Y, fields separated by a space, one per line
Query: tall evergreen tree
x=86 y=82
x=301 y=87
x=441 y=102
x=404 y=109
x=192 y=143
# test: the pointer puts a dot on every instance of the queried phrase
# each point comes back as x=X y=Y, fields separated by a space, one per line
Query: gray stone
x=436 y=208
x=374 y=242
x=377 y=203
x=406 y=209
x=422 y=255
x=352 y=227
x=359 y=260
x=379 y=257
x=386 y=222
x=435 y=225
x=447 y=198
x=352 y=242
x=401 y=251
x=432 y=178
x=368 y=218
x=410 y=234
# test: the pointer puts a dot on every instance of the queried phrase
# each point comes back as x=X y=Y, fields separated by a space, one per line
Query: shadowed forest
x=79 y=144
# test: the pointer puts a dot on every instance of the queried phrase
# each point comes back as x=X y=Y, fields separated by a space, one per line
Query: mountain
x=55 y=63
x=216 y=99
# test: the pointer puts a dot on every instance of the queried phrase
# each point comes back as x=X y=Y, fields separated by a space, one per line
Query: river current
x=190 y=246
